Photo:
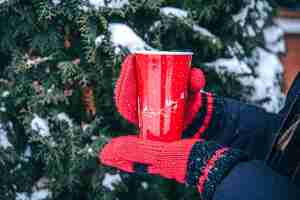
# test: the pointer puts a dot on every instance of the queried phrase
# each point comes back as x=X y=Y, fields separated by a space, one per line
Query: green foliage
x=213 y=15
x=290 y=3
x=69 y=160
x=209 y=12
x=168 y=30
x=48 y=55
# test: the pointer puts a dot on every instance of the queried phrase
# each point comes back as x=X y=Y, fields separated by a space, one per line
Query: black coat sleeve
x=249 y=127
x=241 y=125
x=244 y=126
x=255 y=181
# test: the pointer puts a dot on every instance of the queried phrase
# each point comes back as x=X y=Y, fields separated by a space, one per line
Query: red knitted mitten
x=195 y=162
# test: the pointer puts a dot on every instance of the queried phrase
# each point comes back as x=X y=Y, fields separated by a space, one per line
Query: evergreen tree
x=288 y=3
x=59 y=63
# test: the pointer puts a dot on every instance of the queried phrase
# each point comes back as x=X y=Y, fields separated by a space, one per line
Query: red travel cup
x=162 y=83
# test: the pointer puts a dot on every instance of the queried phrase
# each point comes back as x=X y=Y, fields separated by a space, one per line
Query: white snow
x=203 y=31
x=250 y=31
x=2 y=107
x=56 y=2
x=37 y=60
x=2 y=104
x=263 y=7
x=85 y=127
x=39 y=191
x=99 y=40
x=28 y=152
x=242 y=15
x=42 y=183
x=266 y=84
x=272 y=34
x=289 y=25
x=4 y=142
x=64 y=117
x=40 y=194
x=231 y=65
x=236 y=49
x=123 y=36
x=145 y=185
x=174 y=12
x=5 y=94
x=40 y=125
x=110 y=180
x=171 y=11
x=254 y=10
x=110 y=4
x=94 y=138
x=37 y=195
x=21 y=196
x=274 y=37
x=3 y=1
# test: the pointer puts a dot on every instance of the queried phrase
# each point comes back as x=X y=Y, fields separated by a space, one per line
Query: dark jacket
x=273 y=143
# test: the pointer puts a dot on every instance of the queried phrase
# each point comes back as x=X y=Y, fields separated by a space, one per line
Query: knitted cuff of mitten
x=207 y=119
x=208 y=164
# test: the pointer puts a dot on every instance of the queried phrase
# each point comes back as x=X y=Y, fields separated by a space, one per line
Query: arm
x=251 y=128
x=246 y=127
x=218 y=172
x=234 y=124
x=254 y=180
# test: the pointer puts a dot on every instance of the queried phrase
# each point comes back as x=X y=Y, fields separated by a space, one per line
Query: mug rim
x=164 y=52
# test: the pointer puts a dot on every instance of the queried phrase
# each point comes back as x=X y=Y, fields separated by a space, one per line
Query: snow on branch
x=64 y=117
x=123 y=36
x=111 y=180
x=231 y=65
x=242 y=15
x=109 y=3
x=40 y=125
x=3 y=1
x=39 y=191
x=274 y=38
x=265 y=83
x=174 y=12
x=4 y=142
x=171 y=11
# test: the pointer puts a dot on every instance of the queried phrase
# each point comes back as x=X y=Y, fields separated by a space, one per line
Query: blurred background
x=288 y=20
x=60 y=59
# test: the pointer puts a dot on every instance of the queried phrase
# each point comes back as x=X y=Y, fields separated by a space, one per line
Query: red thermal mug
x=162 y=83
